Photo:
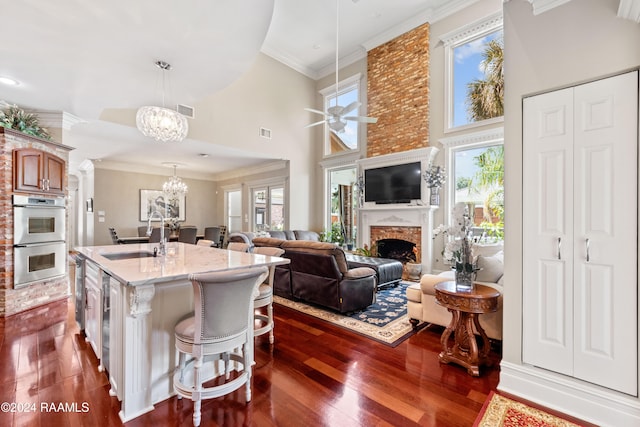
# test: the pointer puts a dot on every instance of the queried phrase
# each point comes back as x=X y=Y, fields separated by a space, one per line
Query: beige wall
x=576 y=42
x=273 y=96
x=117 y=193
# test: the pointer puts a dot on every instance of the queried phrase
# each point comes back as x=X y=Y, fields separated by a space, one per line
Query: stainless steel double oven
x=39 y=235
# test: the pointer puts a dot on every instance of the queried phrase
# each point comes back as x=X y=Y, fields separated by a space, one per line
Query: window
x=233 y=211
x=475 y=165
x=267 y=207
x=348 y=92
x=342 y=207
x=473 y=75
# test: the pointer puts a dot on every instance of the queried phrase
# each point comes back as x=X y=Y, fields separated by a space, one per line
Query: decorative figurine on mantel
x=434 y=177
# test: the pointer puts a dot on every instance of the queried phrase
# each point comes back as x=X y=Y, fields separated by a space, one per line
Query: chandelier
x=174 y=187
x=160 y=123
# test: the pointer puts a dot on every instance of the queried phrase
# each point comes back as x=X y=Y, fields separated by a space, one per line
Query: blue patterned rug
x=385 y=321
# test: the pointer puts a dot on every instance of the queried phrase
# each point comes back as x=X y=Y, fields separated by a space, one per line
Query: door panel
x=548 y=263
x=605 y=234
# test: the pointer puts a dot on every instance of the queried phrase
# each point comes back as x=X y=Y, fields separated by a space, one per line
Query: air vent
x=186 y=111
x=265 y=133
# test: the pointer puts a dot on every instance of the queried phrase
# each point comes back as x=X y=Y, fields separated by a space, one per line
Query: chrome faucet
x=163 y=250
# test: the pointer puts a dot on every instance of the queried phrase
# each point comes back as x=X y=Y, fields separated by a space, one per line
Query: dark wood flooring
x=316 y=374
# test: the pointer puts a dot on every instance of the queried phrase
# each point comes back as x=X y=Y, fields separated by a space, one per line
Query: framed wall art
x=157 y=200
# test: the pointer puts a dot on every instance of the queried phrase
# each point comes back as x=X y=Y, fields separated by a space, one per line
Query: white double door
x=580 y=238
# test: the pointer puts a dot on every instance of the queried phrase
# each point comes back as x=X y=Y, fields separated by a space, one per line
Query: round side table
x=465 y=306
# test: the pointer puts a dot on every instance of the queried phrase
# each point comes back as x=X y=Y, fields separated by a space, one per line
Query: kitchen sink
x=127 y=255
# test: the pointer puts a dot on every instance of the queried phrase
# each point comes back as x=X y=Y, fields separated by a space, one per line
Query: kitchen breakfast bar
x=128 y=301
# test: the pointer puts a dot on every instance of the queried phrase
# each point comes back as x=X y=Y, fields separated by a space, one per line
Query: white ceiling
x=84 y=57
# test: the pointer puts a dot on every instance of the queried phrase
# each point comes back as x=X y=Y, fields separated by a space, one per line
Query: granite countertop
x=181 y=260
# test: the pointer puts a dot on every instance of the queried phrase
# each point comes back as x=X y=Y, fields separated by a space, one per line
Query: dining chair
x=114 y=236
x=212 y=233
x=238 y=247
x=265 y=297
x=142 y=231
x=187 y=235
x=155 y=234
x=222 y=326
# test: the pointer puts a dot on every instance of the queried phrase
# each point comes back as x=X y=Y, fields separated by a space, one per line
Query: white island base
x=148 y=297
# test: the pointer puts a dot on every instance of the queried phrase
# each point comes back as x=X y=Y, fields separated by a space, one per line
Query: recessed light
x=9 y=81
x=203 y=155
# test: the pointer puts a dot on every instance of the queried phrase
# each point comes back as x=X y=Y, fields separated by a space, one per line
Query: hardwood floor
x=316 y=374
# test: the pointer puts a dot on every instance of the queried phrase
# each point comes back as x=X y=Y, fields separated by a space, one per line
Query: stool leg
x=196 y=397
x=270 y=316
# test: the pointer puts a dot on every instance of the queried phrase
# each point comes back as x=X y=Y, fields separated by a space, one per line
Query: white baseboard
x=570 y=396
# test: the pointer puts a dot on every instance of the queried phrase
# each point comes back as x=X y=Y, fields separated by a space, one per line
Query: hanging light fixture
x=160 y=123
x=174 y=187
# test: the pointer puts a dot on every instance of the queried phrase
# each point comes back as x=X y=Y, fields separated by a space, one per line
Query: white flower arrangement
x=457 y=249
x=434 y=176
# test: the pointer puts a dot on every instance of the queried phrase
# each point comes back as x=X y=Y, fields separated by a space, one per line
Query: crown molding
x=541 y=6
x=289 y=61
x=485 y=25
x=428 y=15
x=57 y=119
x=480 y=137
x=629 y=9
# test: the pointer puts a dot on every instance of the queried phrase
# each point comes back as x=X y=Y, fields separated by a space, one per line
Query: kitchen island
x=131 y=302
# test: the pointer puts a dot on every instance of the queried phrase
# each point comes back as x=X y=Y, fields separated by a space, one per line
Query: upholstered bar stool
x=265 y=296
x=238 y=247
x=221 y=328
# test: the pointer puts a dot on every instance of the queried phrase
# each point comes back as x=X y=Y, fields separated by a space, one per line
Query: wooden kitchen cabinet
x=38 y=171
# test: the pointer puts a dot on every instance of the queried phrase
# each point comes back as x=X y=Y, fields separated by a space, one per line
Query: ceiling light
x=9 y=81
x=174 y=187
x=160 y=123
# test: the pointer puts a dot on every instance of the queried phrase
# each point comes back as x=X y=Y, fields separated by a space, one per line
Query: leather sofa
x=319 y=274
x=248 y=236
x=421 y=300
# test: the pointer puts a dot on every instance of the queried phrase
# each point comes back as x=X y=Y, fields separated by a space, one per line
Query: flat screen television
x=393 y=184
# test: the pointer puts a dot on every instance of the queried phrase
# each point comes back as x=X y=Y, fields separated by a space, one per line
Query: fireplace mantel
x=401 y=216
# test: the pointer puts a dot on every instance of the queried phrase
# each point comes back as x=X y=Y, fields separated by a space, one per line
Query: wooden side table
x=465 y=307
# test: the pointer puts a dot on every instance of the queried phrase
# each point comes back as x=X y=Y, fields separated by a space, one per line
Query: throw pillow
x=491 y=269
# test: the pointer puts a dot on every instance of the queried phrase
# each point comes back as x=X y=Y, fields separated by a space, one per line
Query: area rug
x=499 y=411
x=385 y=321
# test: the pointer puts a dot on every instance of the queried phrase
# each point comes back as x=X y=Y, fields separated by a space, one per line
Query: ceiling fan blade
x=315 y=124
x=316 y=111
x=362 y=119
x=350 y=107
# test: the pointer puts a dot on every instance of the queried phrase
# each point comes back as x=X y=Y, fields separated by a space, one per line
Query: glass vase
x=464 y=280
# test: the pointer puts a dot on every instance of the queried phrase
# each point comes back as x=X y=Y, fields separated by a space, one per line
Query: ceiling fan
x=336 y=116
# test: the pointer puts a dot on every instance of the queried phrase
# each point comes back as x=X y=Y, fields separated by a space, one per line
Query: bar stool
x=265 y=296
x=222 y=328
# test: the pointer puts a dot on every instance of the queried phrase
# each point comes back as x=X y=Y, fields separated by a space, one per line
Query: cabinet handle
x=42 y=185
x=559 y=246
x=587 y=245
x=48 y=182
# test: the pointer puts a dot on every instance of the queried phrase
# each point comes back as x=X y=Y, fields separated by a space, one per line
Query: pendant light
x=160 y=123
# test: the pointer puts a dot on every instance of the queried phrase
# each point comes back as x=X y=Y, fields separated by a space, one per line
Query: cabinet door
x=27 y=170
x=547 y=231
x=605 y=232
x=54 y=173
